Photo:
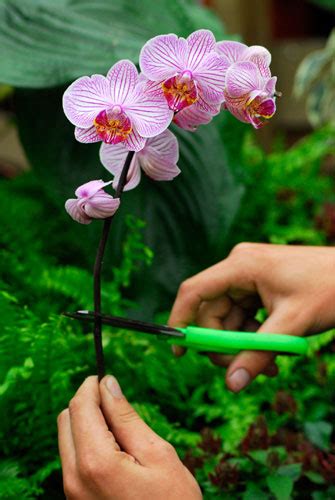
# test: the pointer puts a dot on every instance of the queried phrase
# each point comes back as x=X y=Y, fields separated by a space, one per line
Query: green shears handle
x=229 y=342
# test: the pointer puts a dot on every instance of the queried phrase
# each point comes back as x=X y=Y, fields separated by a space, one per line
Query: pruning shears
x=204 y=339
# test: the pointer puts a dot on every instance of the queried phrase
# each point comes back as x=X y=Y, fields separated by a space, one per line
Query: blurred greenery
x=276 y=439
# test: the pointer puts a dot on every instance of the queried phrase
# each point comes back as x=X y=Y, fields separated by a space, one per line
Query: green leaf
x=49 y=43
x=309 y=70
x=314 y=477
x=280 y=486
x=319 y=433
x=291 y=470
x=254 y=492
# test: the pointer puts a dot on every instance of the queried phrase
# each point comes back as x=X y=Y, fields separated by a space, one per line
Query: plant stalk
x=100 y=361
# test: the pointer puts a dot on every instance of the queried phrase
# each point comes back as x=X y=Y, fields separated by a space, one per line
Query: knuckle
x=128 y=415
x=245 y=248
x=91 y=468
x=166 y=450
x=185 y=287
x=62 y=416
x=74 y=405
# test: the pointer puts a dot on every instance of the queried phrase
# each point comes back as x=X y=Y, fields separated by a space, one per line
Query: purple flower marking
x=158 y=159
x=249 y=92
x=92 y=202
x=115 y=108
x=189 y=72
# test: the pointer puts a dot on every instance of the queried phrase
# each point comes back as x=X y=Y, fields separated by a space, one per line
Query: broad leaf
x=47 y=43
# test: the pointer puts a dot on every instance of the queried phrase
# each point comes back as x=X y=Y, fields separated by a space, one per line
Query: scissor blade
x=130 y=324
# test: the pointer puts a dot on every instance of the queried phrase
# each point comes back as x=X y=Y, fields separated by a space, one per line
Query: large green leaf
x=45 y=43
x=187 y=219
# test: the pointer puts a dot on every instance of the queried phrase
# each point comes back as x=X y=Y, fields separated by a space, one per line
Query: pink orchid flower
x=114 y=109
x=92 y=202
x=158 y=159
x=249 y=92
x=187 y=72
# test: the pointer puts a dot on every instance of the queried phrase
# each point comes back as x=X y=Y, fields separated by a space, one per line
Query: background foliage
x=276 y=439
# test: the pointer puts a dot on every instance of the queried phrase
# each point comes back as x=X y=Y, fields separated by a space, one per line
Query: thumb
x=132 y=434
x=248 y=364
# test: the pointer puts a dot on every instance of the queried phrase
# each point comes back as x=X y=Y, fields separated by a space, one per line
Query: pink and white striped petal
x=113 y=159
x=242 y=78
x=159 y=157
x=85 y=98
x=86 y=135
x=190 y=118
x=233 y=51
x=163 y=56
x=134 y=141
x=149 y=114
x=90 y=188
x=101 y=205
x=212 y=108
x=270 y=86
x=123 y=78
x=200 y=43
x=210 y=77
x=74 y=208
x=261 y=57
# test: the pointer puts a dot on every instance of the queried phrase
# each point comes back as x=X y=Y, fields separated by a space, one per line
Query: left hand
x=108 y=452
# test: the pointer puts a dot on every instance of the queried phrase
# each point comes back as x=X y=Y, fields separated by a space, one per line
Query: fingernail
x=114 y=388
x=239 y=379
x=174 y=350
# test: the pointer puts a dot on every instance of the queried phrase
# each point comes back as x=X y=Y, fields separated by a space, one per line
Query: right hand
x=295 y=284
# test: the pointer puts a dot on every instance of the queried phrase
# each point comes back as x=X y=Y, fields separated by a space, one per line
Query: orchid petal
x=163 y=56
x=134 y=141
x=85 y=98
x=212 y=108
x=237 y=107
x=190 y=118
x=123 y=77
x=261 y=57
x=210 y=76
x=200 y=43
x=159 y=157
x=101 y=205
x=150 y=115
x=113 y=159
x=232 y=50
x=270 y=86
x=267 y=108
x=242 y=78
x=75 y=210
x=90 y=188
x=86 y=135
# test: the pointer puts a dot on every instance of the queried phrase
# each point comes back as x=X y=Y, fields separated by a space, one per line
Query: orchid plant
x=187 y=81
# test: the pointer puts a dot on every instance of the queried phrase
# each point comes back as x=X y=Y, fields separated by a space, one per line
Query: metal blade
x=129 y=324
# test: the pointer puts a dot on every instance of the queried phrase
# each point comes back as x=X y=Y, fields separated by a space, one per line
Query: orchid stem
x=100 y=361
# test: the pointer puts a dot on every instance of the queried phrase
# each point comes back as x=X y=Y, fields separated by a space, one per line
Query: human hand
x=295 y=284
x=108 y=452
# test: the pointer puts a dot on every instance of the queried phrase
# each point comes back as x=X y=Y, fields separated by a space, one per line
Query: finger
x=211 y=313
x=89 y=428
x=234 y=319
x=208 y=285
x=225 y=360
x=248 y=364
x=65 y=443
x=131 y=432
x=178 y=351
